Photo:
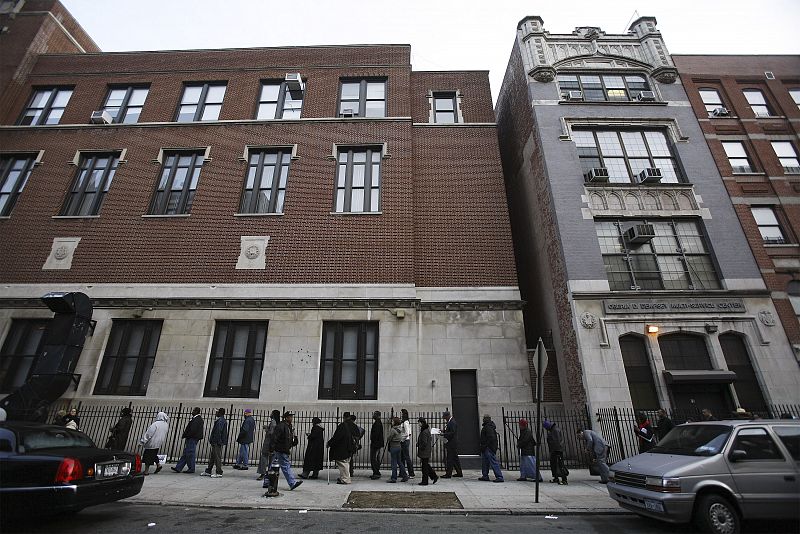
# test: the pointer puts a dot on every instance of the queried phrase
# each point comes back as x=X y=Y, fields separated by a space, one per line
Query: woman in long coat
x=315 y=450
x=118 y=434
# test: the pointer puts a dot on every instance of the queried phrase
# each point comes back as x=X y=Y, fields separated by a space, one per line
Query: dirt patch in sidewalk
x=402 y=499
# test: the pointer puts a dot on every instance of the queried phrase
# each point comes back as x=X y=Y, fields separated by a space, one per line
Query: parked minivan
x=715 y=473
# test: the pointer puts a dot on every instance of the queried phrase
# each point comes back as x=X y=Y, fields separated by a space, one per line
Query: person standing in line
x=598 y=449
x=72 y=421
x=118 y=434
x=644 y=431
x=488 y=446
x=152 y=440
x=451 y=447
x=405 y=443
x=193 y=433
x=706 y=415
x=424 y=449
x=315 y=450
x=376 y=445
x=393 y=443
x=663 y=424
x=555 y=442
x=61 y=418
x=341 y=448
x=247 y=433
x=266 y=452
x=217 y=440
x=527 y=452
x=358 y=434
x=283 y=439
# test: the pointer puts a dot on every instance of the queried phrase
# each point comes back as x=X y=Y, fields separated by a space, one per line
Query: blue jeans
x=286 y=467
x=397 y=459
x=488 y=459
x=527 y=467
x=406 y=456
x=244 y=454
x=189 y=455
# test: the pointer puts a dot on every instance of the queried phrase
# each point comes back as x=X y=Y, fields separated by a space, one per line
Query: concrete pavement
x=239 y=489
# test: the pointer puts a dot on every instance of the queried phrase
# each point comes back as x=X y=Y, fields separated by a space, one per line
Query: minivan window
x=757 y=444
x=694 y=440
x=790 y=436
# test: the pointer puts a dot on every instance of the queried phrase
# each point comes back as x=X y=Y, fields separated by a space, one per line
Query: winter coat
x=341 y=443
x=664 y=425
x=219 y=432
x=395 y=437
x=526 y=442
x=405 y=431
x=555 y=441
x=72 y=421
x=283 y=438
x=424 y=443
x=270 y=430
x=489 y=437
x=156 y=434
x=247 y=432
x=451 y=434
x=595 y=443
x=645 y=434
x=194 y=430
x=118 y=435
x=315 y=450
x=376 y=435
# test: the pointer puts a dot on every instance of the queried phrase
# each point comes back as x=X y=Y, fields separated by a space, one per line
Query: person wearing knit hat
x=555 y=443
x=247 y=434
x=527 y=452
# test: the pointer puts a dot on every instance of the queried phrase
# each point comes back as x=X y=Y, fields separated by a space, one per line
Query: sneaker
x=260 y=477
x=374 y=477
x=522 y=479
x=565 y=482
x=303 y=476
x=339 y=481
x=216 y=475
x=392 y=481
x=412 y=476
x=484 y=479
x=404 y=479
x=236 y=466
x=555 y=481
x=158 y=469
x=187 y=472
x=176 y=470
x=446 y=476
x=293 y=486
x=205 y=474
x=498 y=480
x=422 y=484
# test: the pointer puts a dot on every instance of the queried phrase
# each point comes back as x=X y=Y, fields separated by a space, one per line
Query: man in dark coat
x=424 y=450
x=217 y=440
x=451 y=447
x=247 y=434
x=663 y=424
x=526 y=444
x=341 y=447
x=283 y=440
x=192 y=434
x=555 y=443
x=315 y=450
x=376 y=445
x=488 y=447
x=118 y=434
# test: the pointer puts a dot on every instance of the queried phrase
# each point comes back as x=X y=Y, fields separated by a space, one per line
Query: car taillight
x=69 y=470
x=137 y=465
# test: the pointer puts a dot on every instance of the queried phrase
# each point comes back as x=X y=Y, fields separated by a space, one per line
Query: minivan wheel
x=714 y=513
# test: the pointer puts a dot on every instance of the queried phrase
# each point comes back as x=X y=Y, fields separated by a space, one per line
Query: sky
x=463 y=35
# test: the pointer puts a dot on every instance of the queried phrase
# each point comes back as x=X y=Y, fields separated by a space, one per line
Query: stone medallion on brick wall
x=253 y=252
x=61 y=253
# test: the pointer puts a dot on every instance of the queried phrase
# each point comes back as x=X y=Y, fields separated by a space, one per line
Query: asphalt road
x=124 y=518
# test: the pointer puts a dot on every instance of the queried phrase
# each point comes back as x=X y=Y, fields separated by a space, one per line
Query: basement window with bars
x=129 y=357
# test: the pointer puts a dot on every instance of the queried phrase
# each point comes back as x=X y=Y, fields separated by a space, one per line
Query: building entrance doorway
x=464 y=393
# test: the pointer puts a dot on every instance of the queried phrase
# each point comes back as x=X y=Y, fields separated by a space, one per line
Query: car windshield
x=694 y=440
x=52 y=438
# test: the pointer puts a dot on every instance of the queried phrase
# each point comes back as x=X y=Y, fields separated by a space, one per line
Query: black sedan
x=50 y=469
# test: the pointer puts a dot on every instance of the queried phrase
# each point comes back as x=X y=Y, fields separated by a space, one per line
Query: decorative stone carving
x=61 y=253
x=665 y=74
x=544 y=74
x=253 y=252
x=645 y=199
x=766 y=317
x=588 y=320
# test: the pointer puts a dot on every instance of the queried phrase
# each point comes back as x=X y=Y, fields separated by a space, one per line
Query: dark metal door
x=691 y=399
x=464 y=392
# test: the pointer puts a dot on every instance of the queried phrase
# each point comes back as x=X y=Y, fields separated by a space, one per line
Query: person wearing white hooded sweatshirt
x=152 y=440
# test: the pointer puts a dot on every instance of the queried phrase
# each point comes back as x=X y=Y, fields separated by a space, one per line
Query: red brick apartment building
x=299 y=226
x=749 y=110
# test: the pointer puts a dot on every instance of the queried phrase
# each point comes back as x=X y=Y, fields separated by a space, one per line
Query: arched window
x=746 y=385
x=684 y=351
x=640 y=376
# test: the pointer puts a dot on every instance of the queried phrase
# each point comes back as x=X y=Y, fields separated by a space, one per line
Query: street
x=124 y=518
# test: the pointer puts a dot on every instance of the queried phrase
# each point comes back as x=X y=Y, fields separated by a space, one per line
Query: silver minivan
x=715 y=473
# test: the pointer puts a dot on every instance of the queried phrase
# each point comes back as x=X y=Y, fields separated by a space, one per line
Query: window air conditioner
x=640 y=233
x=347 y=112
x=646 y=96
x=599 y=174
x=101 y=117
x=649 y=176
x=574 y=95
x=721 y=112
x=294 y=82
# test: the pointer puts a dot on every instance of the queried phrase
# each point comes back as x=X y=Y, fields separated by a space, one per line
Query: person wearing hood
x=598 y=449
x=393 y=443
x=217 y=439
x=118 y=434
x=152 y=440
x=376 y=445
x=527 y=452
x=247 y=433
x=424 y=449
x=315 y=450
x=266 y=451
x=644 y=432
x=488 y=446
x=193 y=433
x=555 y=443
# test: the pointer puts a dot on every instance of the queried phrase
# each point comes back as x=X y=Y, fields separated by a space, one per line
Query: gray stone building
x=631 y=257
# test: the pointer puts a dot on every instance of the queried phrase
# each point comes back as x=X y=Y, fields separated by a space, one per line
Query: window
x=129 y=357
x=790 y=436
x=711 y=99
x=445 y=108
x=20 y=352
x=768 y=225
x=358 y=180
x=737 y=156
x=638 y=372
x=14 y=174
x=201 y=102
x=676 y=258
x=237 y=357
x=265 y=185
x=91 y=184
x=177 y=184
x=787 y=156
x=748 y=392
x=362 y=98
x=795 y=94
x=124 y=104
x=278 y=102
x=757 y=444
x=46 y=106
x=349 y=367
x=757 y=102
x=683 y=352
x=626 y=153
x=595 y=87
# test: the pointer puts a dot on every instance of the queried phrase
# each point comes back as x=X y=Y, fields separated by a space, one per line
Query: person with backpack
x=376 y=445
x=555 y=443
x=247 y=433
x=266 y=453
x=192 y=434
x=424 y=449
x=283 y=440
x=118 y=434
x=488 y=447
x=341 y=447
x=217 y=440
x=393 y=443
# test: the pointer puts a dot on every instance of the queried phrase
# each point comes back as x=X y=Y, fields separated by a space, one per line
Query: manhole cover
x=402 y=499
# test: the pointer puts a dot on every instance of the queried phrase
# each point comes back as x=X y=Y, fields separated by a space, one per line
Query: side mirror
x=737 y=455
x=5 y=445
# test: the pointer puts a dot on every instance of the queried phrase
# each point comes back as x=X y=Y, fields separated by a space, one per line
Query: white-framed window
x=755 y=97
x=737 y=156
x=201 y=102
x=711 y=99
x=124 y=104
x=787 y=155
x=276 y=101
x=768 y=224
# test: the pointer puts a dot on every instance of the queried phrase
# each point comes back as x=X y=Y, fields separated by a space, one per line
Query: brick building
x=300 y=227
x=631 y=257
x=748 y=108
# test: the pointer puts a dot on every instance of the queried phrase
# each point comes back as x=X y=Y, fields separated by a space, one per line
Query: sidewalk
x=239 y=489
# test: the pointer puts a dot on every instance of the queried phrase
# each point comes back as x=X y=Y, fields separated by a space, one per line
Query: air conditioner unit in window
x=720 y=112
x=599 y=174
x=574 y=95
x=639 y=234
x=101 y=117
x=646 y=96
x=649 y=176
x=347 y=112
x=293 y=81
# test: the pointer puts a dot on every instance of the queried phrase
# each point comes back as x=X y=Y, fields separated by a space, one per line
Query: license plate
x=655 y=506
x=110 y=470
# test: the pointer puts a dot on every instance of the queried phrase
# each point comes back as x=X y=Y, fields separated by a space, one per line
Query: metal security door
x=464 y=393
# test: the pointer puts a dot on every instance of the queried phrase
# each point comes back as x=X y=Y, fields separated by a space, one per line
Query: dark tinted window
x=757 y=444
x=53 y=438
x=790 y=437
